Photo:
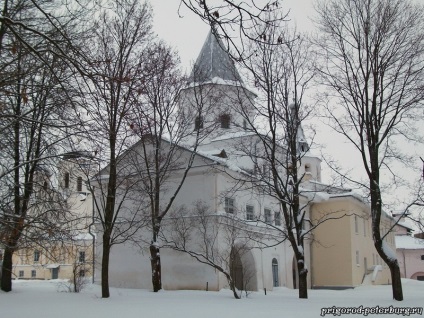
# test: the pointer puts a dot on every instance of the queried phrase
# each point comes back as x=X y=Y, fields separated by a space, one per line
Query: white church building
x=266 y=259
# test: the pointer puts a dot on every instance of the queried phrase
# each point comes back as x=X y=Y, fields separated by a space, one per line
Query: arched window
x=198 y=123
x=225 y=119
x=275 y=281
x=79 y=184
x=66 y=180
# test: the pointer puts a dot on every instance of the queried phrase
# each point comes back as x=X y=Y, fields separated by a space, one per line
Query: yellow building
x=66 y=249
x=342 y=252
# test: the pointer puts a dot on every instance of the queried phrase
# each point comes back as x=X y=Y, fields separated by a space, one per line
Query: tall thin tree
x=372 y=69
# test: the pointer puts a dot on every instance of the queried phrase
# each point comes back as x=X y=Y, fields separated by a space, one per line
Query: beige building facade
x=67 y=253
x=343 y=253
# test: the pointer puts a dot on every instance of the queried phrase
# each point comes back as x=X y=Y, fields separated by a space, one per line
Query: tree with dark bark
x=372 y=68
x=115 y=60
x=281 y=69
x=233 y=21
x=34 y=125
x=62 y=24
x=166 y=151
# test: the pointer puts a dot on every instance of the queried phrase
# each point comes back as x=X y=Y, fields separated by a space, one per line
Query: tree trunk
x=105 y=266
x=396 y=281
x=6 y=275
x=156 y=267
x=233 y=288
x=376 y=211
x=303 y=282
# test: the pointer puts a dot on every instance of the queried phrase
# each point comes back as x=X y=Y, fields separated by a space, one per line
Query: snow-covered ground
x=45 y=300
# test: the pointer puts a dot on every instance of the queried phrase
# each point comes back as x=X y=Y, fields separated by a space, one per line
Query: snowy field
x=45 y=300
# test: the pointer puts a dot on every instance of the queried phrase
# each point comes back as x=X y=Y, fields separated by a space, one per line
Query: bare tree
x=36 y=103
x=232 y=21
x=32 y=120
x=62 y=24
x=167 y=147
x=116 y=62
x=219 y=241
x=280 y=67
x=372 y=54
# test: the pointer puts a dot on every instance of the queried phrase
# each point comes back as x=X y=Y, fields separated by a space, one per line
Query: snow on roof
x=83 y=236
x=236 y=134
x=405 y=224
x=408 y=242
x=215 y=80
x=214 y=63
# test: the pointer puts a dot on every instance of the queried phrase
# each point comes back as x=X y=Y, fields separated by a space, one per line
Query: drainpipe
x=311 y=262
x=262 y=266
x=404 y=263
x=92 y=235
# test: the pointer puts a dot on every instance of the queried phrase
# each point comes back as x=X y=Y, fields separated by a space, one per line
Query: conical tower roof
x=214 y=64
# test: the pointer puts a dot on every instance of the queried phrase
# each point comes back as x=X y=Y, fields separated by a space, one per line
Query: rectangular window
x=36 y=256
x=250 y=212
x=357 y=258
x=66 y=180
x=229 y=205
x=422 y=257
x=277 y=218
x=267 y=213
x=82 y=273
x=21 y=274
x=365 y=227
x=266 y=172
x=198 y=123
x=33 y=273
x=79 y=184
x=81 y=258
x=356 y=224
x=225 y=119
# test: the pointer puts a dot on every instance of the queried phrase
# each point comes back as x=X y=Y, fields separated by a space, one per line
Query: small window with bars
x=66 y=180
x=198 y=123
x=229 y=205
x=225 y=120
x=268 y=219
x=36 y=256
x=79 y=184
x=250 y=212
x=81 y=258
x=277 y=218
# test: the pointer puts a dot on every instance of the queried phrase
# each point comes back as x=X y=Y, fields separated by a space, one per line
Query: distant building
x=409 y=252
x=62 y=254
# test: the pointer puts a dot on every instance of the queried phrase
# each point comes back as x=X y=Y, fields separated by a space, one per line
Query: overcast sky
x=188 y=33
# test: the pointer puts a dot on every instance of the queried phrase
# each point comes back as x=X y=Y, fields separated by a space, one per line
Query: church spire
x=214 y=64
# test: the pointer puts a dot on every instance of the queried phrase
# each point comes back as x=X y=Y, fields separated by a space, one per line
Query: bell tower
x=215 y=96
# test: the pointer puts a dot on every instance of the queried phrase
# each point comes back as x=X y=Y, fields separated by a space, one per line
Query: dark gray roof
x=213 y=61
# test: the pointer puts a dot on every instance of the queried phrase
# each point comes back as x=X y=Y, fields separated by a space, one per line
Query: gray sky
x=187 y=33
